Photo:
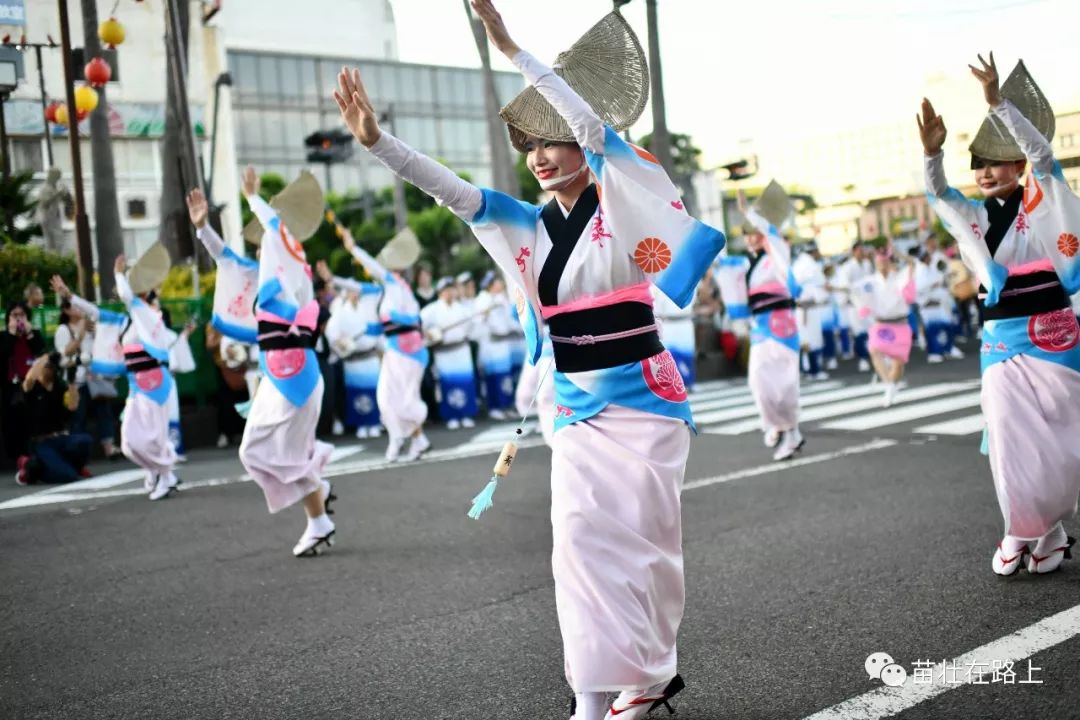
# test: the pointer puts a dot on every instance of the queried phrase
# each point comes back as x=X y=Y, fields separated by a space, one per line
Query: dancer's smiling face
x=556 y=165
x=997 y=179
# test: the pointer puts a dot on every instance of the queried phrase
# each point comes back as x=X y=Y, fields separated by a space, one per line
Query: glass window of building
x=27 y=154
x=269 y=87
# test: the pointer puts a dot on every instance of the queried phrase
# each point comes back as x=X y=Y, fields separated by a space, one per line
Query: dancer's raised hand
x=356 y=109
x=60 y=287
x=495 y=27
x=323 y=271
x=120 y=265
x=249 y=182
x=931 y=129
x=988 y=76
x=198 y=209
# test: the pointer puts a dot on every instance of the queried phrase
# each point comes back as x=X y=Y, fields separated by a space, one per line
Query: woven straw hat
x=774 y=204
x=401 y=251
x=150 y=270
x=606 y=67
x=300 y=205
x=994 y=141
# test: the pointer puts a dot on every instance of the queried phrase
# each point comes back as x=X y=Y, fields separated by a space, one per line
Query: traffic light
x=329 y=146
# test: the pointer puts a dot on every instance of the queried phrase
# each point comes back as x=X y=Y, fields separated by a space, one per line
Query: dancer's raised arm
x=198 y=213
x=438 y=181
x=586 y=125
x=1036 y=148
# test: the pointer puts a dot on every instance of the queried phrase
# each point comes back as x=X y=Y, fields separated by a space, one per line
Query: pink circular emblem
x=149 y=380
x=410 y=342
x=662 y=376
x=782 y=323
x=285 y=363
x=1055 y=331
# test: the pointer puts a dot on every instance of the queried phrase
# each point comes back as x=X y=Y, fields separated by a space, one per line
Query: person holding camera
x=55 y=455
x=19 y=345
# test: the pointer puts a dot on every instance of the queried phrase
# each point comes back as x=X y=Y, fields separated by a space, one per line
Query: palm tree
x=503 y=174
x=110 y=241
x=17 y=201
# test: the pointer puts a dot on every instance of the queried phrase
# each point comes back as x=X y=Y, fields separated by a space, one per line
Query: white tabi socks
x=591 y=706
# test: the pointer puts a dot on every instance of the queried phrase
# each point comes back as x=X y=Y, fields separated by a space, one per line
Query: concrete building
x=282 y=61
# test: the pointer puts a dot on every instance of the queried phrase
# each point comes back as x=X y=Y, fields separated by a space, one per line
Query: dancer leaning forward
x=279 y=448
x=585 y=262
x=1021 y=243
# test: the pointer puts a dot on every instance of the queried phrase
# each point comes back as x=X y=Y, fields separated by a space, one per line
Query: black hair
x=65 y=318
x=11 y=308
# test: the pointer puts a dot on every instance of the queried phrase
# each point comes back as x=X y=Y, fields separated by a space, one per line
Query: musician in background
x=447 y=323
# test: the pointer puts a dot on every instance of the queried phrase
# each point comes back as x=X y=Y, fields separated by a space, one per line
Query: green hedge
x=21 y=265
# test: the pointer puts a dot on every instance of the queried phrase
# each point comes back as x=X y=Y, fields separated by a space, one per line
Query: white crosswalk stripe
x=905 y=413
x=966 y=425
x=853 y=407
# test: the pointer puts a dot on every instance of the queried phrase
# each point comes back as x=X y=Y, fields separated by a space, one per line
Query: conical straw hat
x=606 y=67
x=253 y=232
x=774 y=205
x=401 y=251
x=150 y=270
x=300 y=206
x=994 y=141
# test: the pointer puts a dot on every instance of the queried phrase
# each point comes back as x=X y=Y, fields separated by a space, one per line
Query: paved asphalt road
x=115 y=607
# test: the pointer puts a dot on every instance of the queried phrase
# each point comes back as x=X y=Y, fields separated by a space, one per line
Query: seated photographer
x=56 y=456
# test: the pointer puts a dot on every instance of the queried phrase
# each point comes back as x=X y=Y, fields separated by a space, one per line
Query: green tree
x=17 y=203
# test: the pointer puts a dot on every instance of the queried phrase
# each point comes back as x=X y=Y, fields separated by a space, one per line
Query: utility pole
x=82 y=222
x=661 y=140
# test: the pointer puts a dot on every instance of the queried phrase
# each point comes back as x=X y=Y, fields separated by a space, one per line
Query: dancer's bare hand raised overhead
x=356 y=109
x=495 y=27
x=988 y=76
x=931 y=129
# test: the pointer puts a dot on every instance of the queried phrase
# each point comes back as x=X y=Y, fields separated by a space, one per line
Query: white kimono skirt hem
x=144 y=434
x=773 y=377
x=616 y=518
x=1032 y=410
x=398 y=395
x=279 y=449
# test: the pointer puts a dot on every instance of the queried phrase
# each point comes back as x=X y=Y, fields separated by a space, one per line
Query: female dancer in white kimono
x=144 y=429
x=279 y=448
x=622 y=437
x=402 y=410
x=773 y=373
x=495 y=313
x=448 y=322
x=1021 y=243
x=885 y=298
x=354 y=332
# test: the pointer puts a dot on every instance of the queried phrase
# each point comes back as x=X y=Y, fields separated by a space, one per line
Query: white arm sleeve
x=1037 y=149
x=934 y=171
x=211 y=241
x=437 y=180
x=86 y=307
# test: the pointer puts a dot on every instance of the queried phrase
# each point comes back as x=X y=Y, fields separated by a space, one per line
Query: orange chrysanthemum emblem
x=652 y=255
x=1068 y=245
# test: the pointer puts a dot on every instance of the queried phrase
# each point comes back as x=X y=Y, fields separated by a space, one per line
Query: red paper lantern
x=50 y=112
x=97 y=72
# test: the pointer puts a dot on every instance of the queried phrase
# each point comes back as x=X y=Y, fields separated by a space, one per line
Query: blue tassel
x=242 y=409
x=984 y=447
x=483 y=501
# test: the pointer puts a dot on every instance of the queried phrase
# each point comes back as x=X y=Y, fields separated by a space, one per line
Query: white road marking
x=805 y=401
x=882 y=701
x=743 y=395
x=967 y=425
x=906 y=413
x=876 y=444
x=848 y=407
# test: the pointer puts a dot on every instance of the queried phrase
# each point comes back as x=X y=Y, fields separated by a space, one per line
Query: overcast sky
x=736 y=71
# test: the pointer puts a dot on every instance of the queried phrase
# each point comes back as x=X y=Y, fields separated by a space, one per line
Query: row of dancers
x=585 y=269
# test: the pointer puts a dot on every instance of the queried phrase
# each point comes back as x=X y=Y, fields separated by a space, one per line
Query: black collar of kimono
x=564 y=233
x=1001 y=217
x=755 y=258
